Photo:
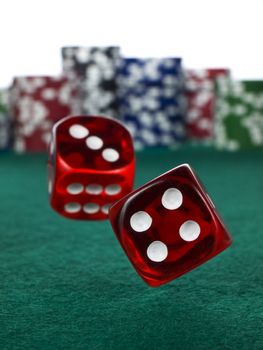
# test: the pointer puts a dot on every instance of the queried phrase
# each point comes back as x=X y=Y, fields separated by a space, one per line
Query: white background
x=206 y=33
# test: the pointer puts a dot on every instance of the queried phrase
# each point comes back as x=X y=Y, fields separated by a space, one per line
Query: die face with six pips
x=91 y=165
x=169 y=226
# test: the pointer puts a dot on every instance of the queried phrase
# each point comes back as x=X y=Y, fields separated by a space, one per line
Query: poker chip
x=36 y=104
x=151 y=100
x=239 y=114
x=159 y=102
x=5 y=120
x=94 y=68
x=200 y=98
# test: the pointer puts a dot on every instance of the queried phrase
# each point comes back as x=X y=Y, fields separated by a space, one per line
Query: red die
x=91 y=165
x=169 y=226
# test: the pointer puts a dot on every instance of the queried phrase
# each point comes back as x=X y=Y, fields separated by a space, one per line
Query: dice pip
x=91 y=165
x=169 y=226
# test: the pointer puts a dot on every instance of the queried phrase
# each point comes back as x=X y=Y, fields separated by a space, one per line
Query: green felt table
x=68 y=285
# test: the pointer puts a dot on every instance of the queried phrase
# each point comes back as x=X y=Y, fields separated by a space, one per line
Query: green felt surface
x=68 y=285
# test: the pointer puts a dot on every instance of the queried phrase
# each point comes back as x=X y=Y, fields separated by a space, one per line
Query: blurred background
x=194 y=78
x=213 y=40
x=206 y=34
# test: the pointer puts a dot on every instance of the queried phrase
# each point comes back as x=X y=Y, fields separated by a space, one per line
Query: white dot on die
x=110 y=155
x=140 y=221
x=157 y=251
x=75 y=188
x=105 y=208
x=189 y=230
x=51 y=146
x=72 y=207
x=78 y=131
x=112 y=189
x=94 y=142
x=94 y=189
x=172 y=198
x=50 y=186
x=91 y=208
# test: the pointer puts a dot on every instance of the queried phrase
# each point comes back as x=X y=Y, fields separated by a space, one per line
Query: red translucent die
x=91 y=165
x=169 y=226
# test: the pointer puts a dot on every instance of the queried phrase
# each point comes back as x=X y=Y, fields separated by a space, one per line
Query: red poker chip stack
x=200 y=97
x=36 y=104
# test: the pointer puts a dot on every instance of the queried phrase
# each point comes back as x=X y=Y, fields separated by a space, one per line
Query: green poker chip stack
x=3 y=103
x=239 y=114
x=4 y=120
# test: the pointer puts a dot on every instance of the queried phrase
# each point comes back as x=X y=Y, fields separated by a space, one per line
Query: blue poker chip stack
x=5 y=122
x=151 y=100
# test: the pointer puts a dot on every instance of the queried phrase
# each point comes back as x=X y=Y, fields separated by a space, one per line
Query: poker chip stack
x=36 y=104
x=239 y=114
x=94 y=68
x=151 y=100
x=200 y=97
x=5 y=121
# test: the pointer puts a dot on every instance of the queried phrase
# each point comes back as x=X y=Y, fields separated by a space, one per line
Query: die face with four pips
x=91 y=165
x=169 y=226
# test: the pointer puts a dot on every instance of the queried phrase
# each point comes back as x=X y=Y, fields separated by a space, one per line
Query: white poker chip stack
x=94 y=68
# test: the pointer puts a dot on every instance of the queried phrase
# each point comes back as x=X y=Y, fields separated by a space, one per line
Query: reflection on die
x=169 y=226
x=91 y=165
